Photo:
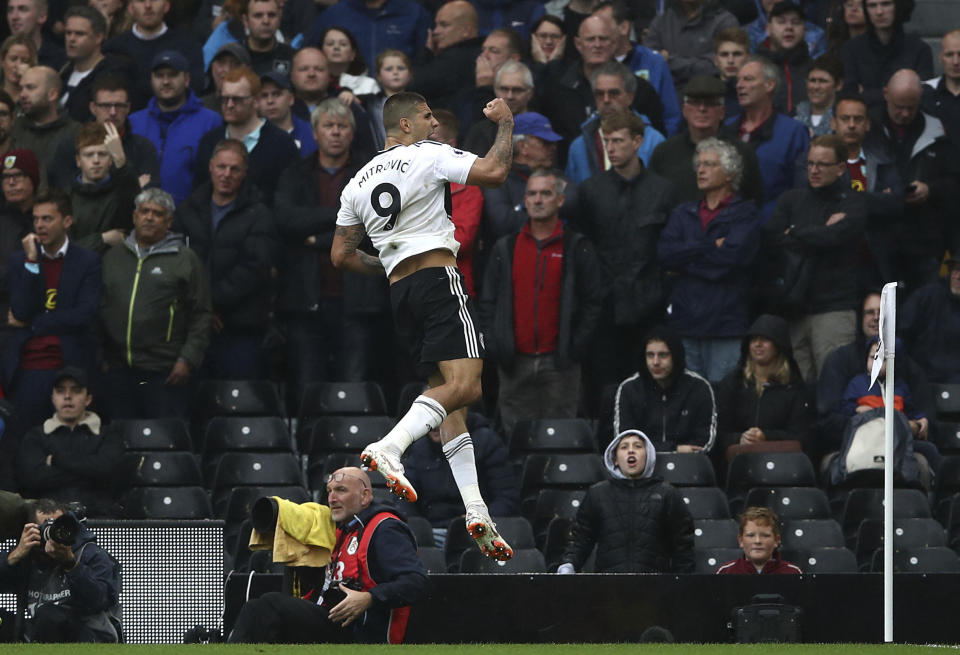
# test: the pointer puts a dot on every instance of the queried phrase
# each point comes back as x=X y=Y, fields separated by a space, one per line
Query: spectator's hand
x=31 y=247
x=536 y=50
x=565 y=569
x=179 y=374
x=12 y=320
x=484 y=72
x=346 y=97
x=350 y=608
x=113 y=237
x=29 y=539
x=924 y=430
x=720 y=241
x=920 y=193
x=49 y=460
x=310 y=240
x=144 y=180
x=59 y=552
x=217 y=324
x=863 y=408
x=665 y=55
x=836 y=218
x=688 y=448
x=753 y=435
x=114 y=145
x=497 y=110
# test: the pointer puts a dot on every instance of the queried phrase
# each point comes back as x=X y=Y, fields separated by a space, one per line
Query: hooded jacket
x=682 y=412
x=582 y=157
x=90 y=591
x=638 y=525
x=931 y=327
x=868 y=63
x=689 y=42
x=793 y=64
x=156 y=306
x=43 y=139
x=781 y=410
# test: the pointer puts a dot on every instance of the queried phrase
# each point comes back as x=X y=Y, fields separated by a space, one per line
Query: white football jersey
x=402 y=199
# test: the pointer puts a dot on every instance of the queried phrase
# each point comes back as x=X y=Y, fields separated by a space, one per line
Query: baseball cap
x=74 y=373
x=704 y=86
x=170 y=58
x=235 y=49
x=533 y=124
x=25 y=161
x=277 y=78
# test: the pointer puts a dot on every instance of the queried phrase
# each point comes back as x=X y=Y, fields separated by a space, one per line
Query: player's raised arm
x=344 y=253
x=492 y=170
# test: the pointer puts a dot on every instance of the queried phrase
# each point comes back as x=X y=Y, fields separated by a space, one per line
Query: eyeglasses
x=236 y=100
x=111 y=106
x=821 y=164
x=340 y=477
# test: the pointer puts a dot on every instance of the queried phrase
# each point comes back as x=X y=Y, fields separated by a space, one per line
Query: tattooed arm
x=345 y=255
x=492 y=170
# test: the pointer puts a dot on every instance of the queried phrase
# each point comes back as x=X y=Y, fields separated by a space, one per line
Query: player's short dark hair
x=58 y=197
x=98 y=24
x=831 y=142
x=400 y=105
x=623 y=120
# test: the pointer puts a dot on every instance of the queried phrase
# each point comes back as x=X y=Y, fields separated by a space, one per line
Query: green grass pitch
x=479 y=649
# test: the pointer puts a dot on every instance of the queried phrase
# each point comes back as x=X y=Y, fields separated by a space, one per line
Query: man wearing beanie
x=638 y=522
x=20 y=175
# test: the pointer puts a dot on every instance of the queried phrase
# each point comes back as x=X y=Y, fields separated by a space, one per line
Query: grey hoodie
x=610 y=455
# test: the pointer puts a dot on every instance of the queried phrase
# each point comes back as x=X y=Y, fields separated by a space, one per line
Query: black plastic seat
x=708 y=560
x=705 y=502
x=256 y=469
x=338 y=399
x=907 y=533
x=524 y=560
x=947 y=397
x=946 y=484
x=183 y=503
x=948 y=437
x=554 y=435
x=562 y=471
x=159 y=468
x=332 y=434
x=238 y=503
x=919 y=560
x=864 y=504
x=715 y=533
x=153 y=434
x=822 y=560
x=432 y=559
x=551 y=503
x=263 y=433
x=515 y=529
x=748 y=470
x=407 y=394
x=685 y=469
x=806 y=535
x=422 y=530
x=791 y=503
x=238 y=398
x=555 y=541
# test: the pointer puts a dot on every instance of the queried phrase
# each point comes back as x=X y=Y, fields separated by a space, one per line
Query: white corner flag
x=888 y=326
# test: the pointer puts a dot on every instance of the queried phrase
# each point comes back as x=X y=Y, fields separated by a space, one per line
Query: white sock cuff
x=458 y=443
x=435 y=410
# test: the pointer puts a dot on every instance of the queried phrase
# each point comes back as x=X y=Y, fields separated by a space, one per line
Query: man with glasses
x=825 y=221
x=870 y=59
x=109 y=103
x=271 y=148
x=703 y=110
x=174 y=121
x=514 y=83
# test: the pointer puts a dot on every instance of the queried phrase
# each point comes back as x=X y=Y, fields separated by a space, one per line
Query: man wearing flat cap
x=703 y=111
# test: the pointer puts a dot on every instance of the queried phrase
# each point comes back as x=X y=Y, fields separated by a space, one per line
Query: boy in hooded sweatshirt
x=638 y=522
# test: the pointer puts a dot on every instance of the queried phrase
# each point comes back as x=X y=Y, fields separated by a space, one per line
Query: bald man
x=43 y=124
x=941 y=95
x=924 y=159
x=373 y=577
x=455 y=45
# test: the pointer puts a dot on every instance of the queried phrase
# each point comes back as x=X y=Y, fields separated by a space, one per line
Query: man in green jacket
x=155 y=313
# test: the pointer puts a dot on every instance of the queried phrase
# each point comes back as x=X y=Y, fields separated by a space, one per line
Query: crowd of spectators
x=705 y=198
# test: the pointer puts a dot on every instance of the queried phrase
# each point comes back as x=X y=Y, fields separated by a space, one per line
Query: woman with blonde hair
x=17 y=54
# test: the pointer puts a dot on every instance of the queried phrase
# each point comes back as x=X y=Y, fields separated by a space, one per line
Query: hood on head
x=677 y=352
x=771 y=327
x=610 y=455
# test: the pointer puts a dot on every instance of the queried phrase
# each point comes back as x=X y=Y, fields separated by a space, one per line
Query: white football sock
x=425 y=414
x=459 y=453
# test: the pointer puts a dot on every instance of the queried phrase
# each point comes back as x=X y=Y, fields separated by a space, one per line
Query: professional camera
x=62 y=530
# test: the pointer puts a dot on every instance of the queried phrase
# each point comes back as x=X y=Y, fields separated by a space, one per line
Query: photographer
x=373 y=577
x=72 y=586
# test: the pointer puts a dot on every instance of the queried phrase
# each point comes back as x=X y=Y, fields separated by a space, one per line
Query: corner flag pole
x=886 y=351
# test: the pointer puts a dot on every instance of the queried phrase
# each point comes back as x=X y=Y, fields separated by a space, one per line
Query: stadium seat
x=551 y=503
x=337 y=399
x=948 y=436
x=748 y=470
x=715 y=533
x=946 y=484
x=236 y=398
x=182 y=503
x=422 y=530
x=238 y=503
x=561 y=471
x=515 y=529
x=256 y=469
x=408 y=393
x=822 y=560
x=947 y=397
x=554 y=435
x=432 y=559
x=919 y=560
x=524 y=560
x=334 y=434
x=154 y=434
x=685 y=469
x=263 y=433
x=907 y=533
x=868 y=504
x=261 y=561
x=809 y=534
x=790 y=503
x=159 y=468
x=555 y=541
x=708 y=560
x=705 y=502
